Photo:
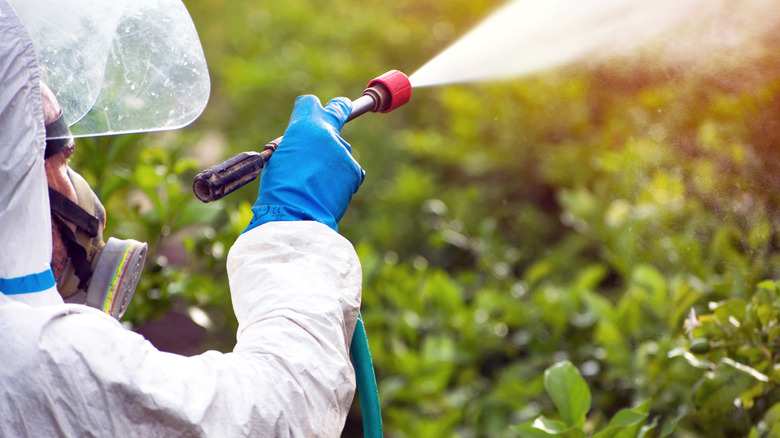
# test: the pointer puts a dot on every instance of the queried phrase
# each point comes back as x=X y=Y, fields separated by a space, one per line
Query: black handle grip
x=228 y=176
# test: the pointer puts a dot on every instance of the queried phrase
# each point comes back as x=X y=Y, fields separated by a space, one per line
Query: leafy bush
x=504 y=229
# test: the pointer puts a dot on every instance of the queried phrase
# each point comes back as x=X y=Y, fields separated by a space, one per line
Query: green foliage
x=735 y=345
x=507 y=231
x=571 y=395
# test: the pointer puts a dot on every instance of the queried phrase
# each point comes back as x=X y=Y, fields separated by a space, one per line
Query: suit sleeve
x=296 y=292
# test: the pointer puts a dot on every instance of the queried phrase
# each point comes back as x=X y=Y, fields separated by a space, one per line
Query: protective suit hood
x=25 y=223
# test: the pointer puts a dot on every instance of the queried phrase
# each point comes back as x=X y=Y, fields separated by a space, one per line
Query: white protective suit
x=70 y=370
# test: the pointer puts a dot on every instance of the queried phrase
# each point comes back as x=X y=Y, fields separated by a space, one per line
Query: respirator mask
x=100 y=274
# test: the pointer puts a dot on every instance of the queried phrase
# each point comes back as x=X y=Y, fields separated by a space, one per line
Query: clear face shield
x=120 y=66
x=115 y=67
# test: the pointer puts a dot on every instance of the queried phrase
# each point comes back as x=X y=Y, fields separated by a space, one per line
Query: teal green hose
x=366 y=382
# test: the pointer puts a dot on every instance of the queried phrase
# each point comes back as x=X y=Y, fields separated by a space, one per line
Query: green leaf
x=625 y=423
x=197 y=212
x=774 y=334
x=731 y=312
x=685 y=295
x=767 y=285
x=647 y=428
x=670 y=425
x=569 y=392
x=599 y=305
x=146 y=177
x=528 y=431
x=590 y=277
x=766 y=314
x=759 y=234
x=544 y=427
x=752 y=372
x=183 y=165
x=112 y=183
x=772 y=420
x=720 y=388
x=537 y=272
x=550 y=426
x=649 y=277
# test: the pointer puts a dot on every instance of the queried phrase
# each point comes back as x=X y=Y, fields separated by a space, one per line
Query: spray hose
x=366 y=382
x=383 y=94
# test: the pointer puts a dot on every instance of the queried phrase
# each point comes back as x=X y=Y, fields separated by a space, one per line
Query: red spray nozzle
x=398 y=86
x=383 y=94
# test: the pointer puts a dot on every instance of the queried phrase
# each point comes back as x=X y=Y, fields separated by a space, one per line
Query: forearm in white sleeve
x=73 y=371
x=307 y=281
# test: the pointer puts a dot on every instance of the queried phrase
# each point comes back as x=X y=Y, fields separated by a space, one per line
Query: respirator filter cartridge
x=116 y=275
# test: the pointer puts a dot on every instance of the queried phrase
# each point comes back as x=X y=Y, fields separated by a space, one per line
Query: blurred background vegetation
x=619 y=215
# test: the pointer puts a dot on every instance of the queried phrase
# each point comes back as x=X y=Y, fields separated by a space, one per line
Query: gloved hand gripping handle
x=383 y=94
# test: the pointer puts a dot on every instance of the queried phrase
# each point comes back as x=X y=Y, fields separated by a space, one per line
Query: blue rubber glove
x=312 y=175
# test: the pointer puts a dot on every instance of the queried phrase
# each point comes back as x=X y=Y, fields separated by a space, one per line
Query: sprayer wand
x=383 y=94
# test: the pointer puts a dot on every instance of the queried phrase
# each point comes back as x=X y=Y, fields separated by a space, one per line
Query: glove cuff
x=280 y=213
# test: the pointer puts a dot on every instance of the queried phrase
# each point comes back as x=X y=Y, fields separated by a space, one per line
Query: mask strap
x=76 y=253
x=58 y=136
x=64 y=208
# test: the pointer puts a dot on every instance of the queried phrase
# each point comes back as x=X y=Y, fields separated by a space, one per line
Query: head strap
x=64 y=208
x=58 y=136
x=76 y=253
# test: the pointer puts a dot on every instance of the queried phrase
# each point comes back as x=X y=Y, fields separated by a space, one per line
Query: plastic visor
x=119 y=66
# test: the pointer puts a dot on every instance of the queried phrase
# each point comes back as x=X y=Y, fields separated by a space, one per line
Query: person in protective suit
x=73 y=370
